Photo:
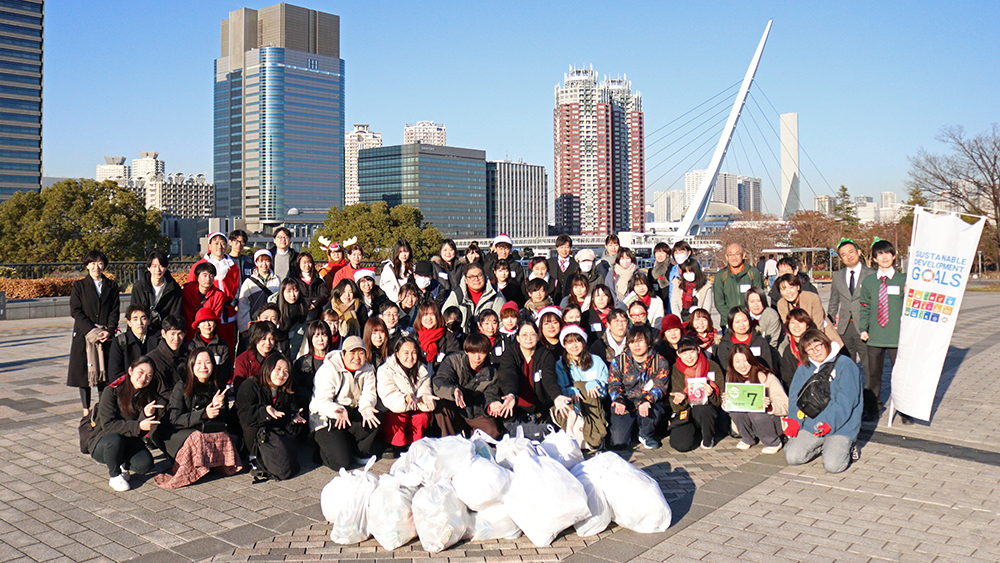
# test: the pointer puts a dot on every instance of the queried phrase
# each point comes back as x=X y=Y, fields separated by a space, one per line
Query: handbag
x=277 y=455
x=815 y=393
x=87 y=426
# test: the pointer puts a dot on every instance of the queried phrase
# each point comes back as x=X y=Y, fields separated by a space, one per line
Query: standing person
x=346 y=302
x=620 y=275
x=701 y=328
x=269 y=416
x=446 y=264
x=583 y=378
x=125 y=413
x=435 y=340
x=585 y=258
x=371 y=295
x=660 y=270
x=342 y=411
x=95 y=306
x=671 y=332
x=637 y=381
x=596 y=317
x=404 y=387
x=304 y=369
x=389 y=315
x=753 y=426
x=195 y=430
x=610 y=256
x=313 y=287
x=834 y=429
x=690 y=290
x=168 y=357
x=682 y=253
x=256 y=290
x=473 y=296
x=335 y=260
x=770 y=270
x=792 y=355
x=577 y=293
x=845 y=299
x=409 y=304
x=613 y=342
x=694 y=412
x=430 y=287
x=789 y=265
x=505 y=283
x=563 y=266
x=501 y=250
x=283 y=254
x=227 y=280
x=733 y=281
x=397 y=270
x=131 y=343
x=741 y=332
x=202 y=292
x=881 y=314
x=294 y=312
x=355 y=254
x=158 y=291
x=238 y=240
x=467 y=383
x=765 y=319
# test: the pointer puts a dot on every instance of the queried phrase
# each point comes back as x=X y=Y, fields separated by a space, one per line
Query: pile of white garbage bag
x=443 y=490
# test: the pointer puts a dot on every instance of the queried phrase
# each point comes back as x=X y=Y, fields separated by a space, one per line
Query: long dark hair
x=397 y=266
x=292 y=313
x=449 y=266
x=414 y=372
x=382 y=351
x=268 y=365
x=692 y=265
x=585 y=361
x=318 y=325
x=756 y=368
x=192 y=380
x=131 y=401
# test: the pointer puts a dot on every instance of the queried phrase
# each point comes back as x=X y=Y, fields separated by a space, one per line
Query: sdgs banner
x=941 y=257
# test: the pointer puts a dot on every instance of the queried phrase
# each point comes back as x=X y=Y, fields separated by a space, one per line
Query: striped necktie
x=883 y=302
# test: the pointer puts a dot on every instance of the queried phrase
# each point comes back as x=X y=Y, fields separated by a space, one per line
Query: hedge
x=51 y=287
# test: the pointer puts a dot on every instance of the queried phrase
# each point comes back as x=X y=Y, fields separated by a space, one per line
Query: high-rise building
x=824 y=204
x=888 y=199
x=21 y=39
x=426 y=132
x=863 y=199
x=114 y=168
x=726 y=189
x=692 y=180
x=599 y=155
x=176 y=195
x=515 y=199
x=360 y=138
x=279 y=116
x=867 y=211
x=447 y=184
x=147 y=164
x=789 y=123
x=749 y=194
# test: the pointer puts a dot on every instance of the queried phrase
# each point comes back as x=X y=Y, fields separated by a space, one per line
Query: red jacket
x=229 y=286
x=193 y=300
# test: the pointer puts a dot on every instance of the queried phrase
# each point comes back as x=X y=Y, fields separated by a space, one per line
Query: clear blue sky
x=872 y=82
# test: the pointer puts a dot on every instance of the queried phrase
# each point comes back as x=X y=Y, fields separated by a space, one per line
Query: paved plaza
x=927 y=492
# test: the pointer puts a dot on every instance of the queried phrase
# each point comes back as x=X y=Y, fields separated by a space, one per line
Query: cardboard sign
x=744 y=397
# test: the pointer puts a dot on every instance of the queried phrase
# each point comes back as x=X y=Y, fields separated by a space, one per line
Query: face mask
x=625 y=263
x=422 y=282
x=680 y=258
x=689 y=276
x=586 y=266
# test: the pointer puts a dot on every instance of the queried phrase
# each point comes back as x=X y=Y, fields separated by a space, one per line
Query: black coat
x=543 y=364
x=768 y=355
x=219 y=349
x=252 y=401
x=168 y=369
x=514 y=292
x=187 y=414
x=303 y=372
x=125 y=348
x=111 y=420
x=317 y=296
x=293 y=262
x=562 y=278
x=479 y=389
x=89 y=310
x=171 y=302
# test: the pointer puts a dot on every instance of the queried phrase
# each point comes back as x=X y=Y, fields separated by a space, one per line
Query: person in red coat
x=199 y=293
x=355 y=254
x=227 y=280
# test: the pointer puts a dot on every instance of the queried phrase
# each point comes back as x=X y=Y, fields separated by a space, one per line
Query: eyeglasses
x=473 y=276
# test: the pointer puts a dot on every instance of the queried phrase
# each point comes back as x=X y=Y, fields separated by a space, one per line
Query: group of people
x=260 y=355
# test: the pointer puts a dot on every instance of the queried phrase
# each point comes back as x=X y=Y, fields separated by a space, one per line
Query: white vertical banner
x=942 y=253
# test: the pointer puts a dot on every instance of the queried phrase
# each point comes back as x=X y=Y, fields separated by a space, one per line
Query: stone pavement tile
x=613 y=550
x=201 y=548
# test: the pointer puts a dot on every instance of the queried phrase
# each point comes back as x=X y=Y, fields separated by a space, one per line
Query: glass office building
x=447 y=184
x=20 y=96
x=279 y=116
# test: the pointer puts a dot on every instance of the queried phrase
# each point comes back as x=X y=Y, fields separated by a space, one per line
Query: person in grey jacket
x=845 y=298
x=472 y=296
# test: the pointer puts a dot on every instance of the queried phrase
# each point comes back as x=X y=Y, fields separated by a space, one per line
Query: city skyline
x=870 y=84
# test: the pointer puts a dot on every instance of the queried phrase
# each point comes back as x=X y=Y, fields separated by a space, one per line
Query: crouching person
x=815 y=425
x=268 y=414
x=467 y=383
x=342 y=411
x=125 y=413
x=583 y=378
x=694 y=397
x=639 y=378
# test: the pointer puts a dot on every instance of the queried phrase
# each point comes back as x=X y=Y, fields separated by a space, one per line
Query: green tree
x=378 y=227
x=844 y=210
x=63 y=222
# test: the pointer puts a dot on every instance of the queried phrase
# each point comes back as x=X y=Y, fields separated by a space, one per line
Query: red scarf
x=645 y=299
x=699 y=369
x=429 y=341
x=334 y=266
x=732 y=336
x=795 y=348
x=493 y=340
x=603 y=315
x=527 y=397
x=475 y=295
x=706 y=340
x=205 y=340
x=687 y=297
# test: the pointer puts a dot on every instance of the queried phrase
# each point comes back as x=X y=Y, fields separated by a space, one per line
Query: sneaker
x=126 y=474
x=744 y=446
x=771 y=449
x=119 y=483
x=708 y=443
x=649 y=443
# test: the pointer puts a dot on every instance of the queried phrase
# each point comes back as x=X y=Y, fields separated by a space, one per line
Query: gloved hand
x=822 y=429
x=791 y=426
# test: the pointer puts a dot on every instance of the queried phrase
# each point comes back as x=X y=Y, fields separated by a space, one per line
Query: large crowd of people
x=264 y=354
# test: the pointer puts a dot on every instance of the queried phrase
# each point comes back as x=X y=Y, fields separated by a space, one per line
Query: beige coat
x=394 y=386
x=774 y=391
x=810 y=303
x=335 y=388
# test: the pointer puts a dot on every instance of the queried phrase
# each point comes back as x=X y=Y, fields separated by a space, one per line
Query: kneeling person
x=467 y=383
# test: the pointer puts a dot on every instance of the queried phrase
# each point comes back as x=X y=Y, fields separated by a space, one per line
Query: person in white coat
x=404 y=386
x=397 y=271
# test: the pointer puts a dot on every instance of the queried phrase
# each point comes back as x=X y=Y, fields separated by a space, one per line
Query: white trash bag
x=440 y=517
x=493 y=523
x=635 y=498
x=561 y=447
x=544 y=498
x=390 y=517
x=481 y=483
x=430 y=460
x=599 y=509
x=482 y=441
x=344 y=501
x=509 y=446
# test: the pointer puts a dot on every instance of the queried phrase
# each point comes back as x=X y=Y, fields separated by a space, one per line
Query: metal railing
x=125 y=273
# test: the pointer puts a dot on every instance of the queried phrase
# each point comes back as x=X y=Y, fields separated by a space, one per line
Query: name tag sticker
x=893 y=289
x=443 y=275
x=647 y=386
x=218 y=359
x=711 y=375
x=498 y=350
x=538 y=376
x=440 y=356
x=755 y=350
x=596 y=327
x=744 y=287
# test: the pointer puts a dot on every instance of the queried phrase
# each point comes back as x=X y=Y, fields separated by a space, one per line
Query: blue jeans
x=623 y=425
x=806 y=446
